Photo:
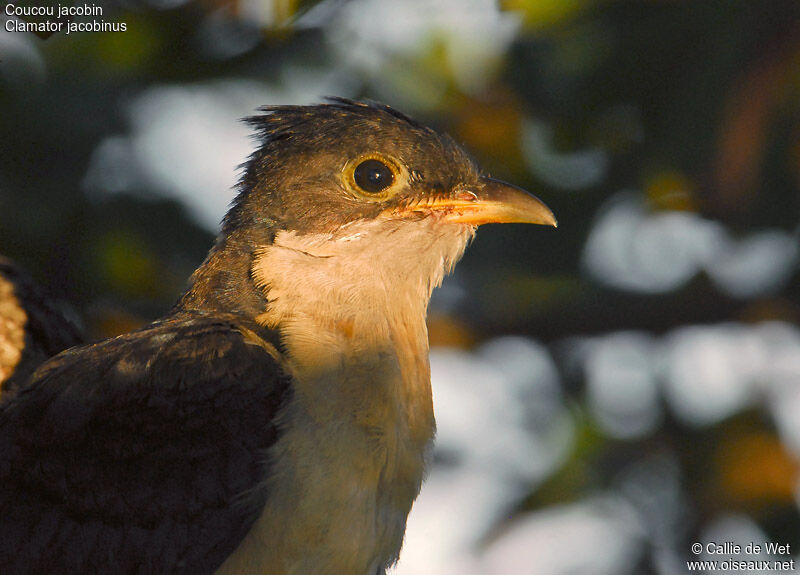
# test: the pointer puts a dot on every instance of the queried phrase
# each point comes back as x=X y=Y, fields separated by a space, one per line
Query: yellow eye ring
x=373 y=176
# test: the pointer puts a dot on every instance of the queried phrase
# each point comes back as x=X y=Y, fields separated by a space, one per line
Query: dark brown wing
x=134 y=455
x=32 y=327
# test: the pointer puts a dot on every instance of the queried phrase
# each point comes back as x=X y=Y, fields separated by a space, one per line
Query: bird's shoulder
x=139 y=450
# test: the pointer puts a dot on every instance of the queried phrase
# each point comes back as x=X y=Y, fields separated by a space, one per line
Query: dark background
x=650 y=396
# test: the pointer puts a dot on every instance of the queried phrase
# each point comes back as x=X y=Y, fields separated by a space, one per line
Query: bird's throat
x=368 y=284
x=352 y=305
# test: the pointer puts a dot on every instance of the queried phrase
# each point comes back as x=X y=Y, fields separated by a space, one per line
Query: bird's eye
x=373 y=176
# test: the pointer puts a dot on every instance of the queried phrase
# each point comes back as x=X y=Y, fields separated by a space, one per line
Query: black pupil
x=373 y=176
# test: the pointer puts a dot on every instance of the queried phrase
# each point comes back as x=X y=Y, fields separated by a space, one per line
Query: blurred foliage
x=691 y=108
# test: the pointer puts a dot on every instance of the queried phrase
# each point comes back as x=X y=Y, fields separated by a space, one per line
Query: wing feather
x=133 y=455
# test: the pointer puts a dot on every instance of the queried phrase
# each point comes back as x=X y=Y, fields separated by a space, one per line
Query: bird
x=278 y=420
x=33 y=327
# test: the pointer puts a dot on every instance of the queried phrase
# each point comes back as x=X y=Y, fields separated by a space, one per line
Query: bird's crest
x=281 y=121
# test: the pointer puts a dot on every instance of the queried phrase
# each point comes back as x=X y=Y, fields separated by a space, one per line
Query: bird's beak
x=492 y=202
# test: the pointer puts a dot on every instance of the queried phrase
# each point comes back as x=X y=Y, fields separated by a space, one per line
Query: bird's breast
x=351 y=458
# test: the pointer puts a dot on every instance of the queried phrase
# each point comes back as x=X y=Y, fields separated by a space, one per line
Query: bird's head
x=324 y=167
x=343 y=192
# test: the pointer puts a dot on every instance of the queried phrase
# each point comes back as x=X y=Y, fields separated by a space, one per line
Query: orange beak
x=491 y=202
